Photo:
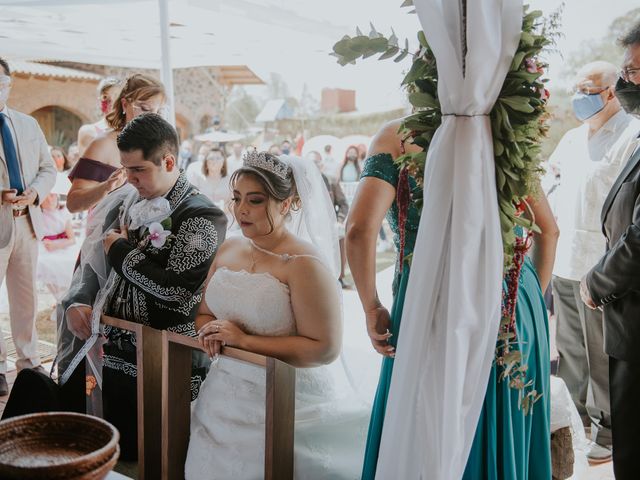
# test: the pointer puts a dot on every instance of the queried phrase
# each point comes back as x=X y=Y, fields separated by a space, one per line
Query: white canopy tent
x=291 y=38
x=160 y=34
x=128 y=33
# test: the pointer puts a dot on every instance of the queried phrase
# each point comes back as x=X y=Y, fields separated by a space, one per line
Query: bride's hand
x=210 y=346
x=378 y=323
x=222 y=332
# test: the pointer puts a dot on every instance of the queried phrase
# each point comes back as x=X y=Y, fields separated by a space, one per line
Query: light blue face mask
x=586 y=105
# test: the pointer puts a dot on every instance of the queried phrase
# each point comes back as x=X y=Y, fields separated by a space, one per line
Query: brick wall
x=29 y=93
x=337 y=100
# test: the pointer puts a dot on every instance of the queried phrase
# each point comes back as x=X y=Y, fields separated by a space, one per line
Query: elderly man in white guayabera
x=589 y=161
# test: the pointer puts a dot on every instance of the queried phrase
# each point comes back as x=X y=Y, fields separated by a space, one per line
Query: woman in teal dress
x=510 y=444
x=505 y=439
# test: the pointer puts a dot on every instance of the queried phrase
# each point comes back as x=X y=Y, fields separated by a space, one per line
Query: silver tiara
x=260 y=160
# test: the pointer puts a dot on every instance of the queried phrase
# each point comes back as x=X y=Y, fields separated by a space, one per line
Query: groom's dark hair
x=150 y=133
x=5 y=67
x=632 y=37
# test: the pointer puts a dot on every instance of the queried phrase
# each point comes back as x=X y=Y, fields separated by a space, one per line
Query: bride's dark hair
x=276 y=187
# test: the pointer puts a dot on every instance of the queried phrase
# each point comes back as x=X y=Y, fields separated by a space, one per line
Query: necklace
x=252 y=268
x=283 y=256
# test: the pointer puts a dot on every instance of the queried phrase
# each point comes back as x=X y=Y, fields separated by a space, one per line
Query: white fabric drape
x=315 y=222
x=451 y=312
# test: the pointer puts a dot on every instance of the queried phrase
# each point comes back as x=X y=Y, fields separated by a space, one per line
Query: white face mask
x=4 y=95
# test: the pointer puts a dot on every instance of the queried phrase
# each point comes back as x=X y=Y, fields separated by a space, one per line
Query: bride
x=274 y=293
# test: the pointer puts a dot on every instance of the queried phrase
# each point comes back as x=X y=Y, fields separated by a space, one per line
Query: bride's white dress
x=227 y=425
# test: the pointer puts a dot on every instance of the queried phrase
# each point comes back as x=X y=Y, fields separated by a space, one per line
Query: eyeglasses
x=588 y=90
x=627 y=73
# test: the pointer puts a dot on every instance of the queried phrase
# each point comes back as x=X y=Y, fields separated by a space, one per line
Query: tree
x=277 y=87
x=605 y=48
x=241 y=110
x=308 y=106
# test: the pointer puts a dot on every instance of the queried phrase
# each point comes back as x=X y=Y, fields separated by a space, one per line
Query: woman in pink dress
x=58 y=249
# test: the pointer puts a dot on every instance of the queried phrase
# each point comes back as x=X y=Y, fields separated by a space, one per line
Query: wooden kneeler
x=149 y=390
x=176 y=411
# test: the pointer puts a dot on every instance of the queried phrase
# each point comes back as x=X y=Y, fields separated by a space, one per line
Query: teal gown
x=505 y=439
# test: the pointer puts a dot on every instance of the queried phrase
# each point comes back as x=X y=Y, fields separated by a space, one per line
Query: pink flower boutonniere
x=158 y=235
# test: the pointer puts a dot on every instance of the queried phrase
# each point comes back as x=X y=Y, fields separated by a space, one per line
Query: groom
x=159 y=246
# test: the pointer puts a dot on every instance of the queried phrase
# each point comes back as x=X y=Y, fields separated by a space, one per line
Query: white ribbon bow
x=146 y=212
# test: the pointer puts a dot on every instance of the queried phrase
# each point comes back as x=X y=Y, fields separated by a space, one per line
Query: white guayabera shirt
x=588 y=168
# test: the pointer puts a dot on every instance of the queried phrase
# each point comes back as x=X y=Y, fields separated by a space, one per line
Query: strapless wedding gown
x=227 y=425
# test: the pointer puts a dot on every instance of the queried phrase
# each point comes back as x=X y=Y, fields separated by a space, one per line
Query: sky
x=377 y=82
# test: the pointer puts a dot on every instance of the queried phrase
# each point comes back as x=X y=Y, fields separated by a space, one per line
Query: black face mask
x=628 y=94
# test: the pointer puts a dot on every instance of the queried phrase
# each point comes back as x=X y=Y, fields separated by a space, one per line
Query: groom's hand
x=112 y=236
x=79 y=321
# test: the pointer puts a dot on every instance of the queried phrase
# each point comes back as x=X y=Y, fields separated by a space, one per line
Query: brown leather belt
x=21 y=212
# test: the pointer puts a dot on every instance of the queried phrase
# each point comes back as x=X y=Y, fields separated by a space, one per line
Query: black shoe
x=4 y=387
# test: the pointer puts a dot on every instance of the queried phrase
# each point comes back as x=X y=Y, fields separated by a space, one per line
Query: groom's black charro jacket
x=160 y=287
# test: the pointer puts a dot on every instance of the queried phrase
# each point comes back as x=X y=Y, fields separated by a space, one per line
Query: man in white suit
x=27 y=174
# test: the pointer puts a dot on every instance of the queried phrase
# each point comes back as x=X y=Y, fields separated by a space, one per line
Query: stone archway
x=59 y=125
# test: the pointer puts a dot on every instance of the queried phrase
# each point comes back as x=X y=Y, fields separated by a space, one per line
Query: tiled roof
x=44 y=70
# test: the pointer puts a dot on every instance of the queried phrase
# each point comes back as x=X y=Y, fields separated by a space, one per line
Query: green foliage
x=166 y=223
x=518 y=119
x=350 y=49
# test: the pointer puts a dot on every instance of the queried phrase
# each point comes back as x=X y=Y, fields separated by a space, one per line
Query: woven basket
x=57 y=445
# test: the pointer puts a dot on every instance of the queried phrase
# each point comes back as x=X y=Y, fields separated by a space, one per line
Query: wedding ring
x=217 y=328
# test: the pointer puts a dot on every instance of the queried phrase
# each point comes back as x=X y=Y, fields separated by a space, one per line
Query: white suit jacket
x=36 y=167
